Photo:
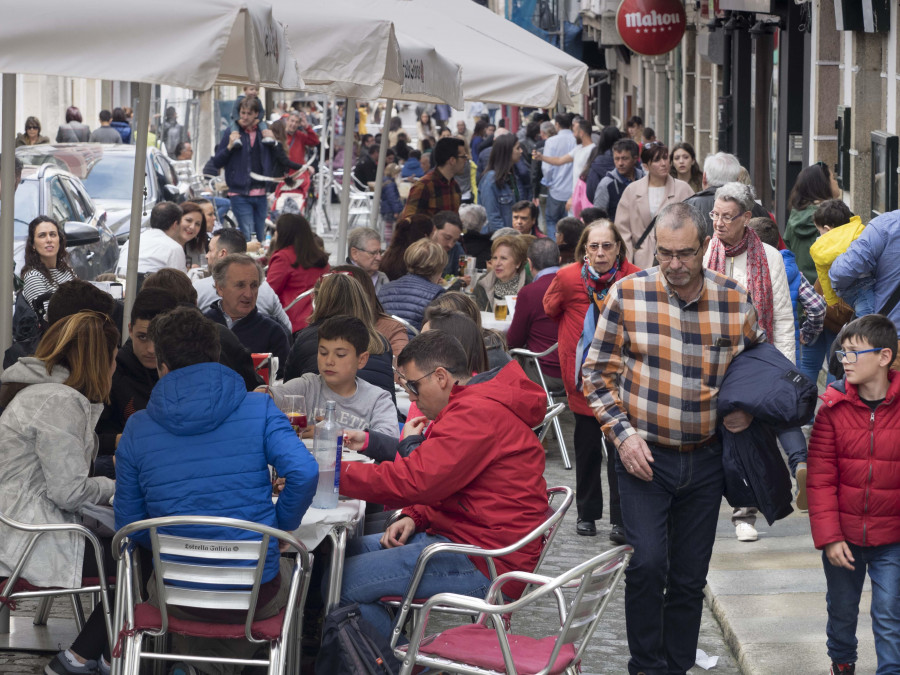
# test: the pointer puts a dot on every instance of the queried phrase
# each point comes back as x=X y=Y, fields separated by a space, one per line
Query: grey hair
x=473 y=216
x=505 y=231
x=740 y=194
x=358 y=237
x=721 y=168
x=675 y=216
x=548 y=128
x=220 y=269
x=543 y=253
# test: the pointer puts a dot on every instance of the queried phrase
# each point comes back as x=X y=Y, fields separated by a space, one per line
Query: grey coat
x=47 y=443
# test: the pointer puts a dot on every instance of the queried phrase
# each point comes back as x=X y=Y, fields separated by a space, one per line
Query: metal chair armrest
x=534 y=355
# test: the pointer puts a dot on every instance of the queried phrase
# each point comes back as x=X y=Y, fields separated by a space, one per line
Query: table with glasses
x=488 y=321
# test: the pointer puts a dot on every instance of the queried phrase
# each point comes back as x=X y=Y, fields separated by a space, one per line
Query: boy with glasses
x=854 y=492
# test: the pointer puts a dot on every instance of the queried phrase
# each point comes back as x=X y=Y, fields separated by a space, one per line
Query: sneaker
x=843 y=668
x=182 y=668
x=60 y=665
x=745 y=532
x=103 y=667
x=237 y=144
x=268 y=140
x=802 y=504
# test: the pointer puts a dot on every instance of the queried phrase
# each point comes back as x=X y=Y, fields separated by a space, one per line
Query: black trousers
x=588 y=443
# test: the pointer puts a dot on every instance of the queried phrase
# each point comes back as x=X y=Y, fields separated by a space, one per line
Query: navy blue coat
x=238 y=161
x=408 y=296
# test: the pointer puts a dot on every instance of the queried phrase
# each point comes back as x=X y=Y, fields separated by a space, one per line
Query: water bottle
x=268 y=243
x=327 y=449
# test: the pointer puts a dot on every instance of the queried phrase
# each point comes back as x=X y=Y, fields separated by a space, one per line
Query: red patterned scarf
x=759 y=282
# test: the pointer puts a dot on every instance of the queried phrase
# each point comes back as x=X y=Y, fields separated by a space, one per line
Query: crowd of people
x=652 y=274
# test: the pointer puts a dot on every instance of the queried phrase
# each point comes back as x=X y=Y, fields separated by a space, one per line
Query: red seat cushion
x=477 y=645
x=398 y=599
x=148 y=617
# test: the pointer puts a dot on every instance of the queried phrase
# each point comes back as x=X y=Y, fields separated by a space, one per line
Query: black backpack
x=352 y=646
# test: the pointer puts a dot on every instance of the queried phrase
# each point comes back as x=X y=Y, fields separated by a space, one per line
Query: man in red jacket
x=300 y=134
x=854 y=492
x=478 y=478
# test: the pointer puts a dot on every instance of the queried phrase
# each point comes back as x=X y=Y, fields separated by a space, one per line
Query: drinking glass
x=294 y=406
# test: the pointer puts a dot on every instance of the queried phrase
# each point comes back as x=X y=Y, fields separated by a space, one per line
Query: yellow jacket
x=828 y=247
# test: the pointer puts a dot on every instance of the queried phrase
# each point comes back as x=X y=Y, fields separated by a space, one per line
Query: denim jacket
x=497 y=200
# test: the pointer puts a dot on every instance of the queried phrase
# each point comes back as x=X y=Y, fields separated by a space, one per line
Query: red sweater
x=854 y=468
x=567 y=302
x=289 y=282
x=532 y=328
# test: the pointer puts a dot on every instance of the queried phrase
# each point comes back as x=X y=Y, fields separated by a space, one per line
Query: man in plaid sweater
x=437 y=190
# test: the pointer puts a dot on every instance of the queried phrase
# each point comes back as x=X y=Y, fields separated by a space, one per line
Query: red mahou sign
x=651 y=27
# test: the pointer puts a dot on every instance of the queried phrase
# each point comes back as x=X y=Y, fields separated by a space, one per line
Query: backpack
x=352 y=646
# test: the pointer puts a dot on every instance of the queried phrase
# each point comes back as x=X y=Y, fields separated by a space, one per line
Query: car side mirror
x=79 y=234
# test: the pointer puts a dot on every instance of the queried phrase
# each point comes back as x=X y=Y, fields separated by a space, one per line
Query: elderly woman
x=365 y=251
x=507 y=274
x=32 y=135
x=578 y=289
x=408 y=296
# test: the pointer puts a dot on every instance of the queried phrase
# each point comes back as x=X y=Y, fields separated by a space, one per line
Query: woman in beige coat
x=643 y=199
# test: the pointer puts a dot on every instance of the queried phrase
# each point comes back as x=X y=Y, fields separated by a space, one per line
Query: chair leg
x=4 y=619
x=43 y=611
x=276 y=659
x=557 y=429
x=78 y=611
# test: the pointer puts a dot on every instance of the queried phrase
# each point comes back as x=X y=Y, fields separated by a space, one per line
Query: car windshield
x=26 y=207
x=110 y=178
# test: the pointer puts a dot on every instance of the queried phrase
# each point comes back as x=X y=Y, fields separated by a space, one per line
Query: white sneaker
x=745 y=532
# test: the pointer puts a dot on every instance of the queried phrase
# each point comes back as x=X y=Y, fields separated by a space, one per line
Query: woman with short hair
x=32 y=135
x=74 y=130
x=408 y=296
x=508 y=272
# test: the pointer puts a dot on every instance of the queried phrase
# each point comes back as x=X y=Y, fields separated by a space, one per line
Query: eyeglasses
x=725 y=219
x=853 y=357
x=377 y=252
x=463 y=157
x=683 y=256
x=412 y=386
x=31 y=126
x=606 y=246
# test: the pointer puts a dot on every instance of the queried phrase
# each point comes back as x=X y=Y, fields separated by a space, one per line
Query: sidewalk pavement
x=769 y=598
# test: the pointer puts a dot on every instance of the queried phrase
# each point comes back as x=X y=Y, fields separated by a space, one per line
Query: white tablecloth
x=403 y=401
x=488 y=321
x=317 y=523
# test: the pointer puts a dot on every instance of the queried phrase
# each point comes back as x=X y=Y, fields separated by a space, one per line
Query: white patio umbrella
x=207 y=42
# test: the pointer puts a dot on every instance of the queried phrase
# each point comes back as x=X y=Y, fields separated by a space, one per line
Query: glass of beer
x=500 y=309
x=294 y=406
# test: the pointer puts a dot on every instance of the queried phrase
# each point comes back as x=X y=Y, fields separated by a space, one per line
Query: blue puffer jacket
x=794 y=279
x=202 y=447
x=408 y=296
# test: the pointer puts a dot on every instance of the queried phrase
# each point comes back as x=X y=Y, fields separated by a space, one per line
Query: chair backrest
x=553 y=411
x=407 y=324
x=555 y=516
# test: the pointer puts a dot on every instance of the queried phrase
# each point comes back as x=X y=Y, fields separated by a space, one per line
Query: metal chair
x=409 y=327
x=216 y=574
x=546 y=531
x=480 y=648
x=551 y=400
x=553 y=412
x=304 y=294
x=13 y=633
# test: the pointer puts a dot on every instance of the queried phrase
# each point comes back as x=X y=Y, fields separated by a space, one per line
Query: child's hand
x=839 y=555
x=354 y=439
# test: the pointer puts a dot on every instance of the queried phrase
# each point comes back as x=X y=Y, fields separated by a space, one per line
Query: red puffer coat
x=854 y=468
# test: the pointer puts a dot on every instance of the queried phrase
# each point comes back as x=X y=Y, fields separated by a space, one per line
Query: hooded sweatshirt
x=478 y=478
x=799 y=235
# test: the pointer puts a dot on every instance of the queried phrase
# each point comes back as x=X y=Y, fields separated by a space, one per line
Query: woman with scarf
x=573 y=297
x=736 y=251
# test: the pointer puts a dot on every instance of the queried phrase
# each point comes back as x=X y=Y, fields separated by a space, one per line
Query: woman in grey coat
x=52 y=402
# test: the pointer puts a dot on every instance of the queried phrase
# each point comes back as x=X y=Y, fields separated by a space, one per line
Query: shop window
x=884 y=173
x=842 y=168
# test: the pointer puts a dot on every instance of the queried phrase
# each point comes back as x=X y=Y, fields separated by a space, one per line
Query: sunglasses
x=412 y=386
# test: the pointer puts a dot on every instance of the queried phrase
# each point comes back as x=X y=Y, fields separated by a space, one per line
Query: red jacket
x=289 y=282
x=298 y=142
x=567 y=302
x=853 y=478
x=478 y=478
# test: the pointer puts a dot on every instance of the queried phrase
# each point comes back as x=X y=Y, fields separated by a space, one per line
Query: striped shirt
x=36 y=284
x=656 y=362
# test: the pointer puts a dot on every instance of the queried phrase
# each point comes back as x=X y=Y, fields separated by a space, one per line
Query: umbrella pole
x=7 y=216
x=321 y=219
x=382 y=157
x=137 y=202
x=349 y=123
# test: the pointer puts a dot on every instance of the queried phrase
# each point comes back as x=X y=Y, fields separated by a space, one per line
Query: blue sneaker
x=60 y=665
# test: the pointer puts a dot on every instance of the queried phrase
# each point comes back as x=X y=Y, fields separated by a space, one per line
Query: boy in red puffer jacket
x=854 y=492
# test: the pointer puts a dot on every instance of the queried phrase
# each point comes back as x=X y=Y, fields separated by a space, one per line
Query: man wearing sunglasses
x=477 y=478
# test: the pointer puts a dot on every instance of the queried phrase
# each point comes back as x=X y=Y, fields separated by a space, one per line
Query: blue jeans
x=555 y=211
x=860 y=294
x=793 y=442
x=671 y=523
x=812 y=356
x=844 y=590
x=251 y=215
x=372 y=572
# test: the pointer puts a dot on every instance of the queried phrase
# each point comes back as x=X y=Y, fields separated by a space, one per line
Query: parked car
x=49 y=191
x=107 y=172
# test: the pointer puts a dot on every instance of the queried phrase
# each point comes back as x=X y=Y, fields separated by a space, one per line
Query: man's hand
x=267 y=133
x=636 y=457
x=839 y=555
x=398 y=532
x=354 y=439
x=235 y=135
x=737 y=421
x=415 y=426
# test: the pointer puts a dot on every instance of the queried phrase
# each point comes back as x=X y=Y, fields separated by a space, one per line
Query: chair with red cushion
x=487 y=646
x=208 y=574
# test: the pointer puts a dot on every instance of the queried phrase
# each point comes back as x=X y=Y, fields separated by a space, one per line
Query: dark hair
x=365 y=281
x=118 y=115
x=251 y=104
x=77 y=296
x=180 y=147
x=634 y=121
x=346 y=328
x=463 y=329
x=73 y=114
x=526 y=204
x=570 y=229
x=500 y=160
x=626 y=145
x=765 y=229
x=441 y=218
x=175 y=282
x=406 y=231
x=608 y=137
x=364 y=138
x=587 y=165
x=585 y=126
x=415 y=154
x=293 y=231
x=876 y=329
x=401 y=149
x=581 y=246
x=150 y=303
x=533 y=130
x=436 y=348
x=543 y=253
x=231 y=239
x=456 y=301
x=445 y=150
x=832 y=213
x=32 y=257
x=696 y=171
x=813 y=185
x=649 y=133
x=563 y=120
x=589 y=215
x=105 y=116
x=164 y=215
x=480 y=129
x=184 y=337
x=396 y=123
x=653 y=153
x=200 y=240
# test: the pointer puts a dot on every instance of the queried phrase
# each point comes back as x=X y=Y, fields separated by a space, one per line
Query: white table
x=403 y=402
x=488 y=321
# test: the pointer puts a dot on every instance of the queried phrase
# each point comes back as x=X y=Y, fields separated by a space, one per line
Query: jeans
x=223 y=206
x=860 y=294
x=844 y=590
x=671 y=523
x=251 y=215
x=793 y=443
x=372 y=572
x=812 y=356
x=554 y=211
